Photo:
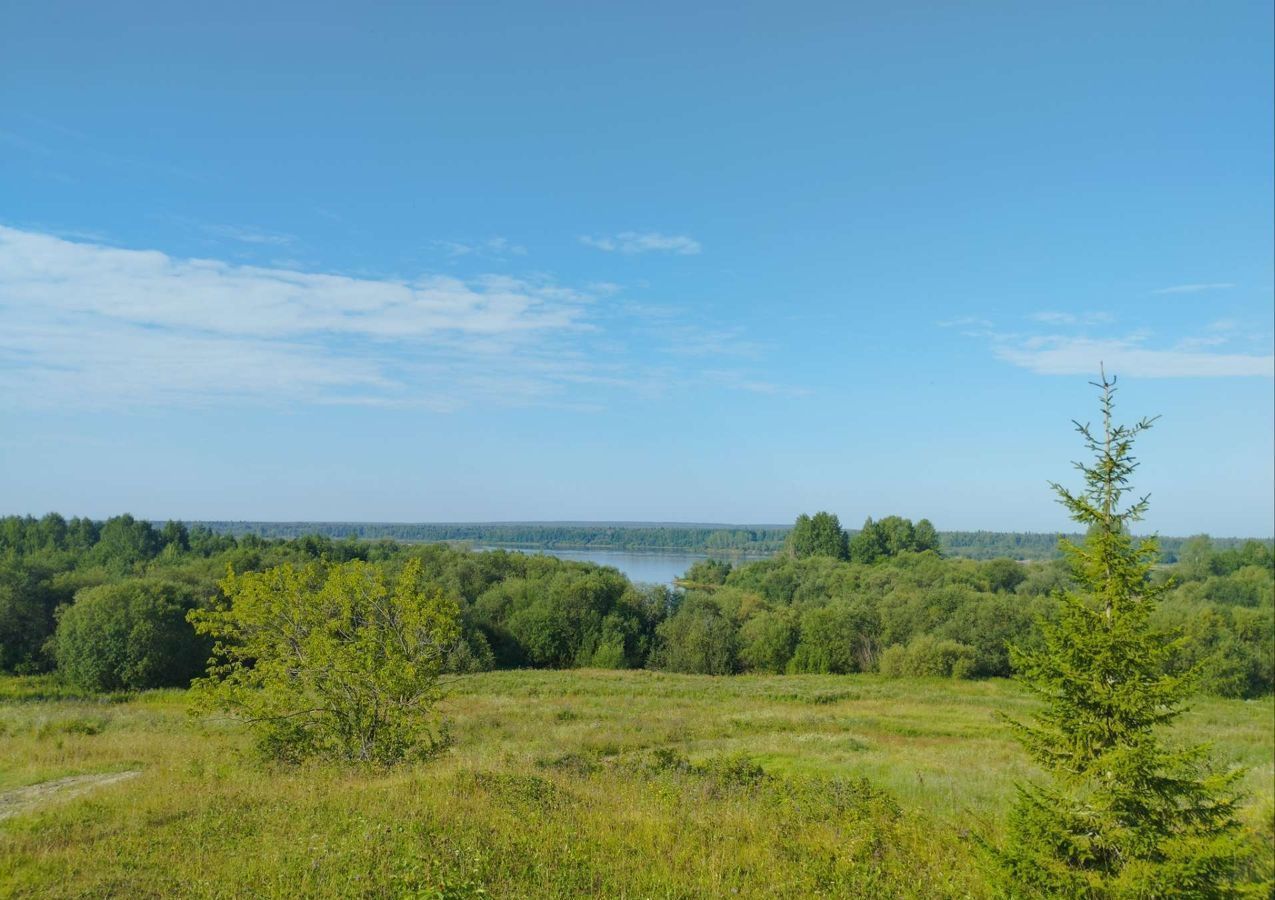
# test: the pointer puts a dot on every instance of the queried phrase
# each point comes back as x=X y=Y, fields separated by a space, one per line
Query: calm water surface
x=648 y=567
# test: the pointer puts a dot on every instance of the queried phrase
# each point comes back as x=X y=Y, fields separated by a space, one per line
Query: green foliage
x=927 y=656
x=332 y=660
x=558 y=615
x=130 y=635
x=698 y=639
x=124 y=542
x=835 y=639
x=817 y=535
x=706 y=572
x=924 y=537
x=690 y=538
x=767 y=640
x=1003 y=575
x=520 y=609
x=28 y=599
x=868 y=545
x=891 y=537
x=989 y=624
x=1229 y=651
x=1126 y=815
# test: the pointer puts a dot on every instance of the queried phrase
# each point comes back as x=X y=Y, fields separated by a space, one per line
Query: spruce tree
x=1127 y=813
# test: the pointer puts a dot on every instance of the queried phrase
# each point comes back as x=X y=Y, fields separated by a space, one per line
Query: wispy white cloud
x=1129 y=356
x=1067 y=345
x=965 y=322
x=1067 y=318
x=1195 y=288
x=1196 y=343
x=90 y=324
x=494 y=247
x=742 y=381
x=85 y=324
x=644 y=242
x=247 y=235
x=697 y=341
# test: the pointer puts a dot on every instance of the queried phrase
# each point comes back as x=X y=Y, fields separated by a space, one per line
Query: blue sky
x=668 y=262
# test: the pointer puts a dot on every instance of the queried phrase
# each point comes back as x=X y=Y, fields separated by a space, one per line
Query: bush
x=707 y=571
x=1228 y=651
x=27 y=603
x=470 y=654
x=767 y=640
x=130 y=635
x=833 y=640
x=927 y=656
x=330 y=661
x=698 y=639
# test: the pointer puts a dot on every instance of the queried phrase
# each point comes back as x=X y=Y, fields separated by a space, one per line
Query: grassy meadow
x=559 y=784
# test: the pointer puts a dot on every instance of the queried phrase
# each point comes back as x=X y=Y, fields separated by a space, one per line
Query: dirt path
x=36 y=795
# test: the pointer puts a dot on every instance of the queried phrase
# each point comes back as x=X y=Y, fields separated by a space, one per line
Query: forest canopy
x=749 y=540
x=880 y=599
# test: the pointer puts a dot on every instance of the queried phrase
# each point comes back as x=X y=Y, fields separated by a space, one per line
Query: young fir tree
x=1127 y=814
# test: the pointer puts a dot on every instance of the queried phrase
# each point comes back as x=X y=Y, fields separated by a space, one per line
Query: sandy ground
x=36 y=795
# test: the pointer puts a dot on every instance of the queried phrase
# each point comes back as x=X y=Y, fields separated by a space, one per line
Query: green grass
x=585 y=783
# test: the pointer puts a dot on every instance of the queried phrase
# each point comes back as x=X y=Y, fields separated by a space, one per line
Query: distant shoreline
x=730 y=541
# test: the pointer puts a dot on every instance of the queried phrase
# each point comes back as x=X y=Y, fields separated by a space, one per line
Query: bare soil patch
x=36 y=795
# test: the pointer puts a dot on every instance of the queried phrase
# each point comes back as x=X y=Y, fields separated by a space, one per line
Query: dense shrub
x=834 y=639
x=572 y=615
x=989 y=624
x=28 y=598
x=817 y=535
x=1002 y=575
x=767 y=640
x=928 y=656
x=698 y=639
x=470 y=654
x=332 y=660
x=130 y=635
x=1228 y=652
x=707 y=571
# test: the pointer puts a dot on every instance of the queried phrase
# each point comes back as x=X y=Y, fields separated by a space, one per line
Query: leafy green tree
x=1003 y=575
x=331 y=660
x=817 y=535
x=1229 y=649
x=560 y=621
x=868 y=545
x=124 y=541
x=130 y=635
x=27 y=603
x=175 y=534
x=707 y=571
x=767 y=640
x=830 y=637
x=1126 y=814
x=698 y=638
x=1195 y=558
x=898 y=535
x=927 y=656
x=925 y=537
x=800 y=540
x=827 y=536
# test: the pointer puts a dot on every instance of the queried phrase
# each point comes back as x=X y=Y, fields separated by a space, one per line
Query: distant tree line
x=822 y=535
x=107 y=603
x=548 y=536
x=744 y=540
